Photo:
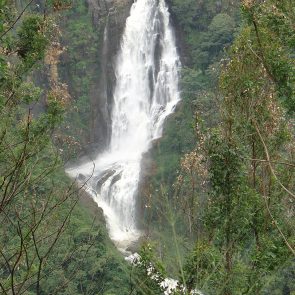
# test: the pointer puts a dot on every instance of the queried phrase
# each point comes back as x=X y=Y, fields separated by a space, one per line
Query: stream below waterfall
x=146 y=92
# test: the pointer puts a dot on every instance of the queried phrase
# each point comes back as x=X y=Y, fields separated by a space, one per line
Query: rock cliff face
x=107 y=19
x=87 y=67
x=111 y=14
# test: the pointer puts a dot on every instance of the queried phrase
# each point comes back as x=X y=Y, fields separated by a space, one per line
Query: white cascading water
x=145 y=93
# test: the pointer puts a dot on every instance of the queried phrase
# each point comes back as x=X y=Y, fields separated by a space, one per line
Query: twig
x=16 y=20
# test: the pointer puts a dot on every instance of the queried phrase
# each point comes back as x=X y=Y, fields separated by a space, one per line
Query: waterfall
x=146 y=92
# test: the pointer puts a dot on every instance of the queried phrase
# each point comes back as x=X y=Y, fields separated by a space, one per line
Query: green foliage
x=28 y=160
x=193 y=15
x=204 y=268
x=207 y=32
x=147 y=273
x=81 y=69
x=89 y=262
x=198 y=94
x=245 y=223
x=211 y=43
x=32 y=39
x=240 y=214
x=49 y=244
x=238 y=209
x=273 y=34
x=208 y=27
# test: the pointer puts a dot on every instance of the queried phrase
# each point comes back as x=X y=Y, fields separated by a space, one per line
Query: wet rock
x=115 y=179
x=109 y=16
x=81 y=177
x=103 y=179
x=89 y=204
x=135 y=246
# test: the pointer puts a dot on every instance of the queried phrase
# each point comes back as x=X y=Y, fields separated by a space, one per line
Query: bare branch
x=17 y=19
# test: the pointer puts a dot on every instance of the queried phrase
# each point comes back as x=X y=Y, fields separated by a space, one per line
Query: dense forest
x=216 y=196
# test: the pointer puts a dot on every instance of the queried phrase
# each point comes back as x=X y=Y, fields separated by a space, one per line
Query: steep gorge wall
x=91 y=34
x=111 y=14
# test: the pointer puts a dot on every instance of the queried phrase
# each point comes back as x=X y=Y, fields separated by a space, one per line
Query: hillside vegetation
x=218 y=196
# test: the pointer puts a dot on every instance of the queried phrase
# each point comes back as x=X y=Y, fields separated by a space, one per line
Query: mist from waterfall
x=146 y=92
